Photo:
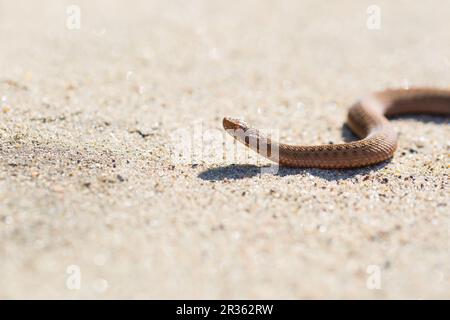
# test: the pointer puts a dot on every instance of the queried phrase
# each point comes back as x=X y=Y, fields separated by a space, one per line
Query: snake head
x=243 y=132
x=234 y=124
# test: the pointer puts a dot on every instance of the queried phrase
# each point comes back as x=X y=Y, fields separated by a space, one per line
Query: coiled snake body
x=366 y=118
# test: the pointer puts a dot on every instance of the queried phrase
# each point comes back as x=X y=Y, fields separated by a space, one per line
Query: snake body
x=366 y=118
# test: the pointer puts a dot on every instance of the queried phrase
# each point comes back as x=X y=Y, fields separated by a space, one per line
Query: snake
x=367 y=118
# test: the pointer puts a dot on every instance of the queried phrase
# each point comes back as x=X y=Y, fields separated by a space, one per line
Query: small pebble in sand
x=8 y=220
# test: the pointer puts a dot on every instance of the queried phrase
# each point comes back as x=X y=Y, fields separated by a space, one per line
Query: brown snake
x=366 y=118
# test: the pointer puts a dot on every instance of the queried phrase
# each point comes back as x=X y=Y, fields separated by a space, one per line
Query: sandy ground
x=94 y=203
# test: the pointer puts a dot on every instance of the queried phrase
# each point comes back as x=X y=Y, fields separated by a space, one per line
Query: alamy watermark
x=197 y=144
x=73 y=20
x=373 y=17
x=373 y=281
x=73 y=281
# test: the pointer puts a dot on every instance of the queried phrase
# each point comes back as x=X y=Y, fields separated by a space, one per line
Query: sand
x=95 y=202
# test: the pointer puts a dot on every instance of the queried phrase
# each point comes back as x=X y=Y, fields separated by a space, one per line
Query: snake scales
x=366 y=118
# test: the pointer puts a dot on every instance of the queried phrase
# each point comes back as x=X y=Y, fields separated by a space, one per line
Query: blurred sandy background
x=87 y=179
